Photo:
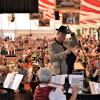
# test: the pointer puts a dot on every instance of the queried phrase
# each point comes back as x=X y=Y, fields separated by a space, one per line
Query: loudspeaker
x=13 y=17
x=57 y=17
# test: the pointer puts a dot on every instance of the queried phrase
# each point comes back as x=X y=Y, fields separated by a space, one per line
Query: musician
x=58 y=52
x=46 y=91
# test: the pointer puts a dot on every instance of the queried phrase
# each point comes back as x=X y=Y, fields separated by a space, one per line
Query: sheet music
x=8 y=80
x=94 y=87
x=76 y=80
x=58 y=79
x=18 y=78
x=12 y=81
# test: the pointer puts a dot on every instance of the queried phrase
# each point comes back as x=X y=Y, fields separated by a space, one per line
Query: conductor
x=62 y=58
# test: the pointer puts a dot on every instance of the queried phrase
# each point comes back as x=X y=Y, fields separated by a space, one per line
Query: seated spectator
x=22 y=71
x=43 y=91
x=3 y=51
x=28 y=66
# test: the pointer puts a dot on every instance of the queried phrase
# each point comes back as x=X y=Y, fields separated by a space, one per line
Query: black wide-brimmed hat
x=63 y=29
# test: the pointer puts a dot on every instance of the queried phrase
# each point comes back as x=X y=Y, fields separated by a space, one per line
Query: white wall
x=22 y=22
x=23 y=25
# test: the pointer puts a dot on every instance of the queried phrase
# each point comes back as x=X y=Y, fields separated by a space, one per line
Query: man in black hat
x=58 y=52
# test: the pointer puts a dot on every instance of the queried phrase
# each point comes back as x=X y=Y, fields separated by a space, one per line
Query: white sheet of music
x=8 y=80
x=12 y=81
x=76 y=80
x=18 y=78
x=58 y=79
x=94 y=87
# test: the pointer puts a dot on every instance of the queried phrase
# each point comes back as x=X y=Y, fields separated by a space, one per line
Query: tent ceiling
x=89 y=10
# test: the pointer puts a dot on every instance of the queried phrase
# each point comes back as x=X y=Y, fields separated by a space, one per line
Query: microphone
x=13 y=17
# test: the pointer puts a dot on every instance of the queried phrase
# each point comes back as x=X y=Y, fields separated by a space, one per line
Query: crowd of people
x=27 y=56
x=32 y=55
x=88 y=53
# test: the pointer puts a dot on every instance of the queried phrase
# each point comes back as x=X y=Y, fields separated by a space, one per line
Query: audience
x=33 y=54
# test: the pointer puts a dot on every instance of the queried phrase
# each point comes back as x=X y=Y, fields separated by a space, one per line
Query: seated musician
x=44 y=90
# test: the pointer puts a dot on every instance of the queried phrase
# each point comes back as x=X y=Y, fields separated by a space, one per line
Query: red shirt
x=42 y=93
x=27 y=65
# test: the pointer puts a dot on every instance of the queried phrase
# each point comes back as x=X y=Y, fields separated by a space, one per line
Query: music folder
x=13 y=81
x=76 y=80
x=58 y=79
x=94 y=87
